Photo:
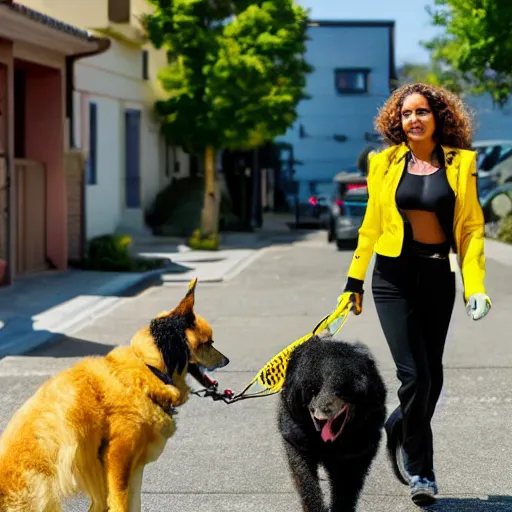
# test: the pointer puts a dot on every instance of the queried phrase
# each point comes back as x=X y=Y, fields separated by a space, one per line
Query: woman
x=422 y=203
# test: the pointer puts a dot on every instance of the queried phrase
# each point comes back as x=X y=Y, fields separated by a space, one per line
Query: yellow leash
x=272 y=376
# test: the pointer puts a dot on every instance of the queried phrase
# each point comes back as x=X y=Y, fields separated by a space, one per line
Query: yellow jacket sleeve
x=471 y=249
x=370 y=229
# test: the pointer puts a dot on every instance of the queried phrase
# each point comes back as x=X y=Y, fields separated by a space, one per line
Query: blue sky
x=412 y=22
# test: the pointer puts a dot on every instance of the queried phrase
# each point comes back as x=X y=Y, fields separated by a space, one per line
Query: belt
x=429 y=251
x=434 y=256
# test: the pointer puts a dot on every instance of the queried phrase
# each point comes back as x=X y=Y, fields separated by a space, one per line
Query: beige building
x=128 y=162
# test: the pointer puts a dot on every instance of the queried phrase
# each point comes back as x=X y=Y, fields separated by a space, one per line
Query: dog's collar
x=166 y=379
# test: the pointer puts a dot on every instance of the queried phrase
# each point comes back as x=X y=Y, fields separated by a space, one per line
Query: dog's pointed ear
x=186 y=306
x=192 y=286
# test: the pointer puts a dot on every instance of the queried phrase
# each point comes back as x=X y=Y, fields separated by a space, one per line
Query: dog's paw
x=172 y=395
x=167 y=397
x=170 y=410
x=179 y=396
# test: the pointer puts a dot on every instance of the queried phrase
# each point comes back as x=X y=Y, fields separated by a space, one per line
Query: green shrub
x=109 y=253
x=202 y=243
x=505 y=230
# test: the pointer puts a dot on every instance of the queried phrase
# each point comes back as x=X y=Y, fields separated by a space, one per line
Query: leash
x=272 y=376
x=227 y=395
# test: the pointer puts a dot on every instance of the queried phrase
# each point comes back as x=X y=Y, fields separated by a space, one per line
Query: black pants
x=414 y=296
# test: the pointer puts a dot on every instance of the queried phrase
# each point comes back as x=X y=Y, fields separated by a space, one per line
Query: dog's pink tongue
x=327 y=434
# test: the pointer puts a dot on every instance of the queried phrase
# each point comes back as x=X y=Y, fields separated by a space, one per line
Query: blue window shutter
x=132 y=158
x=92 y=161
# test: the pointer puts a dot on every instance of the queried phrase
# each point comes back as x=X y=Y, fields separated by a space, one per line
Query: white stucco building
x=113 y=122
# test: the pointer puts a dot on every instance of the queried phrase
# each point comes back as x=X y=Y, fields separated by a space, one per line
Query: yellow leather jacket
x=382 y=230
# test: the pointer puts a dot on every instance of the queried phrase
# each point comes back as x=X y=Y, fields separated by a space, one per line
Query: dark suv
x=347 y=207
x=312 y=203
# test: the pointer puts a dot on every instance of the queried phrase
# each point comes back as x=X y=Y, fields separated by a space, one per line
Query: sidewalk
x=44 y=307
x=498 y=251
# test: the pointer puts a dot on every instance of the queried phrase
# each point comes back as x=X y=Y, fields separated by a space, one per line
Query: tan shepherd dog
x=93 y=428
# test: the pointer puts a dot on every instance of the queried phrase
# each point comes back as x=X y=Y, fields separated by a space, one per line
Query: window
x=132 y=158
x=145 y=65
x=19 y=113
x=92 y=161
x=119 y=11
x=351 y=80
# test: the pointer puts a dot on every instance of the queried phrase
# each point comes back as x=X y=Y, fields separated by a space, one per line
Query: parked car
x=312 y=203
x=491 y=155
x=347 y=208
x=497 y=204
x=503 y=171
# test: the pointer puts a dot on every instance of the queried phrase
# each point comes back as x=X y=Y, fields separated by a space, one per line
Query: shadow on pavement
x=71 y=347
x=492 y=503
x=31 y=296
x=276 y=229
x=263 y=238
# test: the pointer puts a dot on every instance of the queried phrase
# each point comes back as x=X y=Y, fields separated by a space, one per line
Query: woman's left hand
x=356 y=299
x=478 y=305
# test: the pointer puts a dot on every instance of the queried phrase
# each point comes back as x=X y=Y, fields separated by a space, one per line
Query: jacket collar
x=396 y=165
x=451 y=155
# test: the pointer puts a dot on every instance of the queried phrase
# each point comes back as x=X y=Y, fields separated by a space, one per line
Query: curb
x=202 y=280
x=79 y=311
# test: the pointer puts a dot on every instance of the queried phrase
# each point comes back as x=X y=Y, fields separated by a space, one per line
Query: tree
x=476 y=46
x=410 y=72
x=434 y=73
x=235 y=76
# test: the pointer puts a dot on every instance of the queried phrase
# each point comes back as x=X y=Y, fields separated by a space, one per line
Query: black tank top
x=430 y=193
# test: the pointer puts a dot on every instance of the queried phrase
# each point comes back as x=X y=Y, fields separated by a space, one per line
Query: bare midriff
x=425 y=227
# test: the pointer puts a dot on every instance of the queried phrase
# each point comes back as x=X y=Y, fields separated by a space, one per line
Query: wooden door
x=31 y=232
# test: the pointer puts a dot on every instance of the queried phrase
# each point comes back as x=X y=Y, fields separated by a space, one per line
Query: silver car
x=493 y=161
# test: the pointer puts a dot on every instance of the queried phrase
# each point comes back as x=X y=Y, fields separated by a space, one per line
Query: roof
x=351 y=23
x=84 y=35
x=51 y=22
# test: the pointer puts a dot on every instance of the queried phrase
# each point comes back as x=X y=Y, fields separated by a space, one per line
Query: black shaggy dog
x=331 y=413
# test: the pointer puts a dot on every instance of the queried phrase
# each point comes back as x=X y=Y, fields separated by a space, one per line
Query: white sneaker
x=423 y=490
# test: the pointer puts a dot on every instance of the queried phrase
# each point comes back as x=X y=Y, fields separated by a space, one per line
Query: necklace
x=421 y=167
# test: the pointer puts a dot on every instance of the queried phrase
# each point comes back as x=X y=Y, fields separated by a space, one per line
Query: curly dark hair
x=453 y=120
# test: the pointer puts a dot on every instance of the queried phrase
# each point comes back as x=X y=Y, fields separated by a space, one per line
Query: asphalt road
x=229 y=457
